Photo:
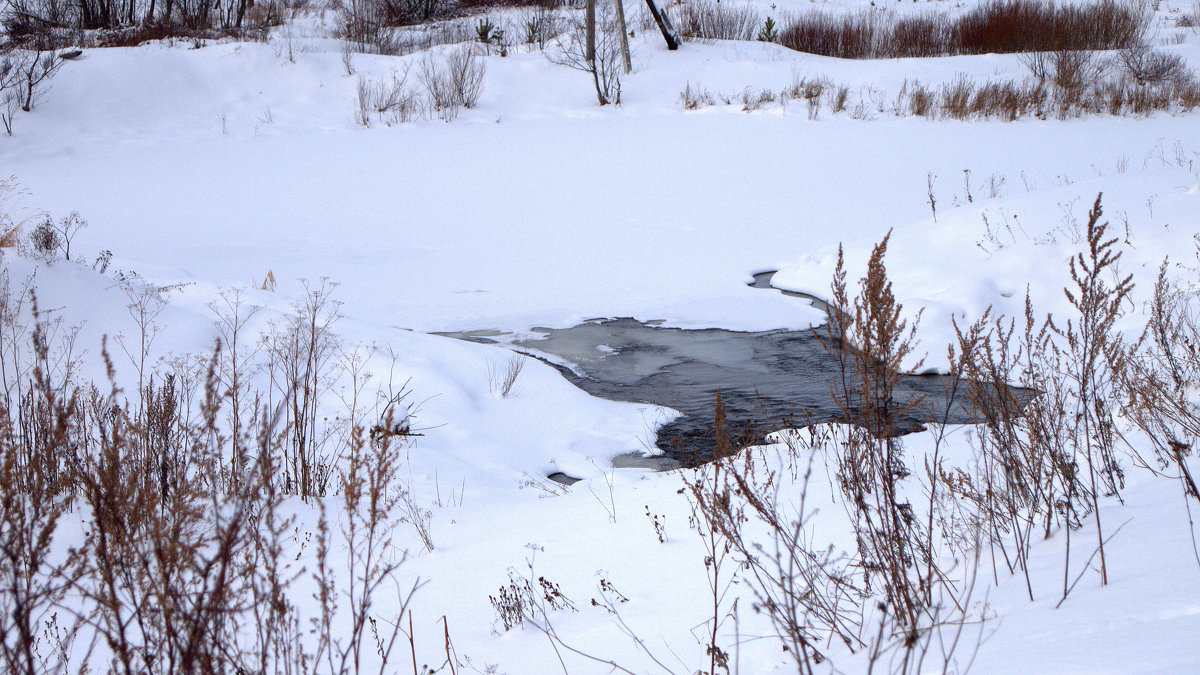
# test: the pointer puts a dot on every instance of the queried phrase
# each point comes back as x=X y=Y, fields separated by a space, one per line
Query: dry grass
x=1043 y=462
x=502 y=380
x=696 y=96
x=11 y=194
x=1074 y=88
x=190 y=559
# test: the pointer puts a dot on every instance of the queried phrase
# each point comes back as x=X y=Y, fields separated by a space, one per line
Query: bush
x=1151 y=66
x=571 y=51
x=848 y=37
x=44 y=240
x=455 y=83
x=917 y=36
x=393 y=102
x=999 y=26
x=715 y=21
x=538 y=27
x=1005 y=26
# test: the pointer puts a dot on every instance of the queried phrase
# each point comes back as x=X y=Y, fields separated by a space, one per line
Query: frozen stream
x=768 y=380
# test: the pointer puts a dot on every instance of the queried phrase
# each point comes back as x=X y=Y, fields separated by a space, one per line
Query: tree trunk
x=664 y=25
x=625 y=64
x=589 y=23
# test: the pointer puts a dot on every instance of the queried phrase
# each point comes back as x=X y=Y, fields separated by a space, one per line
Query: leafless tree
x=581 y=48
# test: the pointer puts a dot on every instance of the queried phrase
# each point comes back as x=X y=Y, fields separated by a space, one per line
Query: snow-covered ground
x=206 y=169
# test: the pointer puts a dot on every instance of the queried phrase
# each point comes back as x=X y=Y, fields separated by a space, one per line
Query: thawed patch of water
x=768 y=380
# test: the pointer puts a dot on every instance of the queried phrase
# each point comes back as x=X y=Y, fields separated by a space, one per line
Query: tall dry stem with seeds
x=1161 y=386
x=872 y=346
x=1096 y=358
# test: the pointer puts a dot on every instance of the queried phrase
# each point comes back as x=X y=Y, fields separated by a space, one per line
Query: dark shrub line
x=997 y=26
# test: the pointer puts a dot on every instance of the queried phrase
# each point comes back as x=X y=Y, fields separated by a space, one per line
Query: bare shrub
x=479 y=4
x=10 y=229
x=918 y=36
x=49 y=239
x=1006 y=26
x=849 y=37
x=424 y=37
x=1152 y=66
x=197 y=564
x=26 y=74
x=362 y=96
x=1025 y=480
x=44 y=241
x=372 y=508
x=392 y=101
x=235 y=368
x=9 y=97
x=35 y=493
x=1008 y=100
x=525 y=601
x=1048 y=458
x=870 y=462
x=710 y=20
x=300 y=353
x=10 y=102
x=185 y=558
x=502 y=380
x=1038 y=64
x=362 y=20
x=365 y=27
x=455 y=83
x=604 y=63
x=538 y=26
x=1087 y=93
x=1162 y=374
x=997 y=26
x=1074 y=70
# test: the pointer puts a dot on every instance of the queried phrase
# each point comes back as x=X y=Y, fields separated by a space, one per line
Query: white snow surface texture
x=208 y=168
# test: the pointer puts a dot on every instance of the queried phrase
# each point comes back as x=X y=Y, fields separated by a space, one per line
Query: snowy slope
x=211 y=167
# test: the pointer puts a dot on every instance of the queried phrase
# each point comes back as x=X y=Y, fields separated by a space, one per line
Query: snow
x=210 y=168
